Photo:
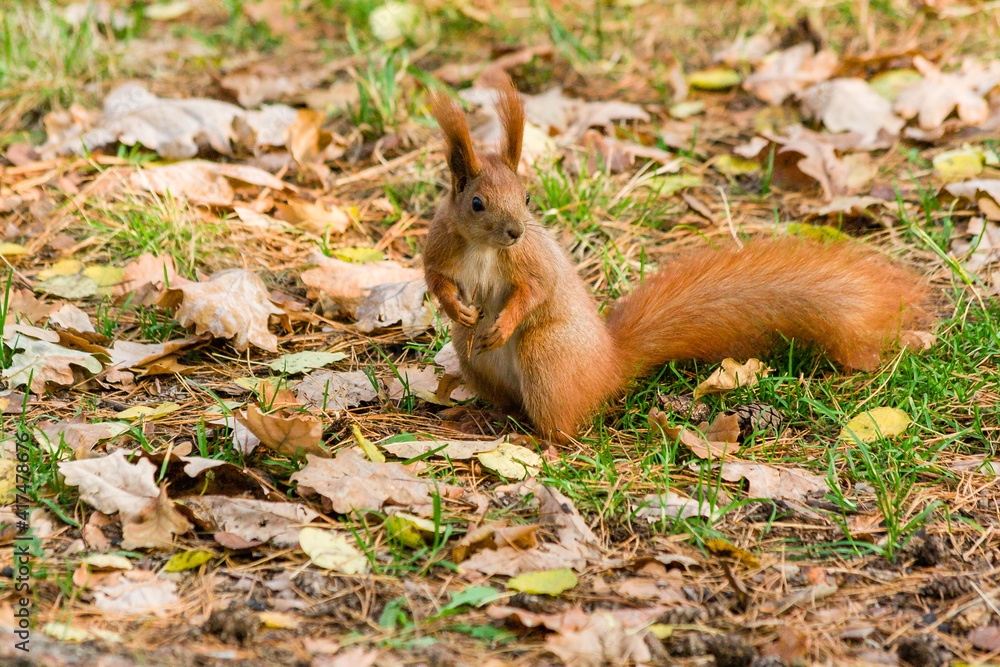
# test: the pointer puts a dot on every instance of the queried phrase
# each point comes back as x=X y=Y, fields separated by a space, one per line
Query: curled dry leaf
x=655 y=507
x=125 y=354
x=350 y=482
x=313 y=217
x=201 y=182
x=346 y=284
x=284 y=430
x=410 y=379
x=985 y=192
x=511 y=461
x=496 y=535
x=307 y=143
x=136 y=592
x=255 y=521
x=332 y=390
x=730 y=375
x=388 y=304
x=931 y=100
x=155 y=526
x=979 y=247
x=147 y=274
x=457 y=450
x=232 y=304
x=785 y=73
x=333 y=551
x=851 y=105
x=23 y=306
x=174 y=128
x=42 y=362
x=112 y=484
x=79 y=436
x=701 y=447
x=773 y=482
x=69 y=316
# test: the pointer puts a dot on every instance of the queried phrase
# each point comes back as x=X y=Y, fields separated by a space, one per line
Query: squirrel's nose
x=514 y=234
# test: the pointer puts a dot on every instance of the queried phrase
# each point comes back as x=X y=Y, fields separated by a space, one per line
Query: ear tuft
x=510 y=106
x=462 y=159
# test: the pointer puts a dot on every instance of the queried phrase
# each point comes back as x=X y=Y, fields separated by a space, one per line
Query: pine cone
x=759 y=417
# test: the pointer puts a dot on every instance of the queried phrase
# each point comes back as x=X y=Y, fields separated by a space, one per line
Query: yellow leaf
x=332 y=551
x=716 y=78
x=148 y=411
x=64 y=267
x=11 y=249
x=960 y=163
x=370 y=450
x=106 y=277
x=359 y=255
x=277 y=619
x=891 y=83
x=511 y=461
x=546 y=582
x=876 y=423
x=734 y=165
x=411 y=530
x=661 y=630
x=7 y=481
x=187 y=560
x=722 y=549
x=683 y=110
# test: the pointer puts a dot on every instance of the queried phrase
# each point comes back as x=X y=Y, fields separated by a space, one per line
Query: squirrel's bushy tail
x=713 y=304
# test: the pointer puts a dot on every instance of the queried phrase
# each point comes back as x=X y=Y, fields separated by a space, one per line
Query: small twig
x=729 y=219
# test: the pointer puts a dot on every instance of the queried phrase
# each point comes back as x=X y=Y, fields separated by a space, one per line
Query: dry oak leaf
x=346 y=284
x=22 y=305
x=69 y=316
x=313 y=217
x=772 y=482
x=79 y=436
x=985 y=192
x=457 y=450
x=730 y=375
x=202 y=182
x=155 y=526
x=174 y=128
x=933 y=99
x=125 y=354
x=851 y=105
x=350 y=482
x=701 y=447
x=232 y=304
x=255 y=521
x=388 y=304
x=285 y=430
x=411 y=379
x=495 y=535
x=784 y=73
x=655 y=506
x=137 y=592
x=112 y=484
x=336 y=390
x=149 y=269
x=307 y=143
x=41 y=362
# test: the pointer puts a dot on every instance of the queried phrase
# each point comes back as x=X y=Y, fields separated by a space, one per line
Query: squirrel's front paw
x=493 y=338
x=467 y=315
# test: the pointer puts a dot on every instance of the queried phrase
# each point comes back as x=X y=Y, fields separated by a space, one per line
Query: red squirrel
x=527 y=329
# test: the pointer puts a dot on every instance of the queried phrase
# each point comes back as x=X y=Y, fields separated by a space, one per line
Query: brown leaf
x=69 y=316
x=388 y=304
x=286 y=431
x=23 y=305
x=315 y=218
x=495 y=535
x=112 y=484
x=773 y=482
x=725 y=428
x=307 y=142
x=155 y=526
x=255 y=521
x=851 y=105
x=200 y=182
x=934 y=98
x=335 y=390
x=79 y=436
x=125 y=354
x=232 y=304
x=149 y=270
x=137 y=592
x=346 y=283
x=351 y=482
x=730 y=375
x=412 y=379
x=784 y=73
x=986 y=638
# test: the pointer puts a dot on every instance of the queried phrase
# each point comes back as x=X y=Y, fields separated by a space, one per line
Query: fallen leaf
x=313 y=217
x=79 y=436
x=495 y=535
x=851 y=105
x=149 y=270
x=75 y=286
x=413 y=531
x=388 y=304
x=394 y=20
x=284 y=430
x=12 y=249
x=112 y=484
x=201 y=182
x=959 y=163
x=332 y=390
x=932 y=99
x=346 y=284
x=773 y=482
x=413 y=380
x=875 y=424
x=655 y=507
x=359 y=255
x=784 y=73
x=255 y=521
x=511 y=461
x=300 y=362
x=148 y=412
x=457 y=450
x=723 y=549
x=65 y=632
x=333 y=551
x=981 y=248
x=307 y=142
x=984 y=192
x=69 y=316
x=701 y=447
x=174 y=128
x=730 y=375
x=232 y=304
x=187 y=560
x=601 y=640
x=155 y=526
x=986 y=638
x=546 y=582
x=891 y=83
x=716 y=78
x=42 y=362
x=141 y=594
x=22 y=305
x=350 y=482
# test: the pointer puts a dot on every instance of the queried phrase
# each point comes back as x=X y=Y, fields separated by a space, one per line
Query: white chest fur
x=479 y=277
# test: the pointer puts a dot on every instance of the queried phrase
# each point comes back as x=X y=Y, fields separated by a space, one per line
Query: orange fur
x=527 y=329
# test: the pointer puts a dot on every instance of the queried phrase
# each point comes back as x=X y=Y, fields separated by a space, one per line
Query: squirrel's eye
x=477 y=204
x=527 y=199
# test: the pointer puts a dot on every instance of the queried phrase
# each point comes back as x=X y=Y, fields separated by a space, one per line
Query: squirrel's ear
x=462 y=159
x=510 y=106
